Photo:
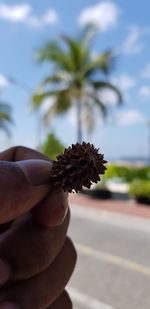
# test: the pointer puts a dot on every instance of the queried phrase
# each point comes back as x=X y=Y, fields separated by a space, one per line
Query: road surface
x=113 y=268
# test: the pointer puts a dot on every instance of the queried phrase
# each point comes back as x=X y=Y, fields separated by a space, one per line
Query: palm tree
x=74 y=81
x=5 y=117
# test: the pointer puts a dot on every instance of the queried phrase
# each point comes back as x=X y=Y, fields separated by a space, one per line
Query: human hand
x=36 y=257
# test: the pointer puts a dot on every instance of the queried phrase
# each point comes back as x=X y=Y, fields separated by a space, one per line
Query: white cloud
x=50 y=17
x=130 y=117
x=145 y=73
x=104 y=15
x=47 y=104
x=34 y=22
x=15 y=12
x=124 y=82
x=145 y=91
x=108 y=97
x=3 y=81
x=23 y=13
x=132 y=44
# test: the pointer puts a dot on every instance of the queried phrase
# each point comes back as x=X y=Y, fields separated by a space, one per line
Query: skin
x=36 y=257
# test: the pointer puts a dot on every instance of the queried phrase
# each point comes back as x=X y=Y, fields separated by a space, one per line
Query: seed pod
x=79 y=166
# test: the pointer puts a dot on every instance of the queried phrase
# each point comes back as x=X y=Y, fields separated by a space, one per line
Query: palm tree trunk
x=79 y=121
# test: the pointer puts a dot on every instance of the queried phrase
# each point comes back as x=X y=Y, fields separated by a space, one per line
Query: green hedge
x=140 y=189
x=127 y=174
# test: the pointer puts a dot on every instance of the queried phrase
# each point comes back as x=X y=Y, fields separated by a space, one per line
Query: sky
x=122 y=25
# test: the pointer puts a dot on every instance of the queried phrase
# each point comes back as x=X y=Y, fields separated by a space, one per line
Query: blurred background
x=80 y=71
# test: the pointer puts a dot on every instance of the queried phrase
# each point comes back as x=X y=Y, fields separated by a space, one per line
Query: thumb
x=37 y=172
x=22 y=186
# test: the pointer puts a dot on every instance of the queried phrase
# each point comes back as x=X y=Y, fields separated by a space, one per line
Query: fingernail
x=37 y=172
x=59 y=207
x=7 y=305
x=64 y=198
x=5 y=272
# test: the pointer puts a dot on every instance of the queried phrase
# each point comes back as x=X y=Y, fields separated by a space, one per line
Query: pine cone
x=79 y=166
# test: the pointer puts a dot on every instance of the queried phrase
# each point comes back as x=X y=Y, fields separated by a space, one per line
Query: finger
x=34 y=248
x=17 y=195
x=20 y=153
x=42 y=290
x=62 y=302
x=52 y=210
x=35 y=174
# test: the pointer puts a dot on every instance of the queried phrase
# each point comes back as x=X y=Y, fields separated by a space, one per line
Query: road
x=113 y=268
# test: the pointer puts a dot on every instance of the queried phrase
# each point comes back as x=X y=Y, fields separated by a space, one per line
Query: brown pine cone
x=79 y=166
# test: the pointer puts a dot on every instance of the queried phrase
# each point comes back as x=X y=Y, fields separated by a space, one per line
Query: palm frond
x=49 y=114
x=101 y=62
x=38 y=98
x=62 y=103
x=5 y=107
x=51 y=52
x=102 y=107
x=77 y=51
x=58 y=78
x=87 y=35
x=63 y=98
x=98 y=85
x=5 y=116
x=5 y=127
x=54 y=53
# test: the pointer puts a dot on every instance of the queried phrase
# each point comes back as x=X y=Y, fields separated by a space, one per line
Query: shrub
x=140 y=189
x=127 y=174
x=52 y=147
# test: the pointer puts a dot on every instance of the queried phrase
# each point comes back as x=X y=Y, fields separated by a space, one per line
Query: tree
x=52 y=147
x=74 y=80
x=5 y=117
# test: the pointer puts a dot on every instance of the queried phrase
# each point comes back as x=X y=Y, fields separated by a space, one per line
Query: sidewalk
x=123 y=207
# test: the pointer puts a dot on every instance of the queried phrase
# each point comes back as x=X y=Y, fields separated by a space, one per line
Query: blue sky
x=123 y=25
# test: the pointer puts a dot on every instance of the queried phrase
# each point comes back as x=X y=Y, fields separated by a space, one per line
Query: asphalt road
x=113 y=268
